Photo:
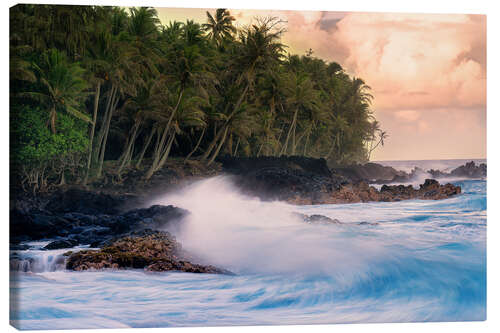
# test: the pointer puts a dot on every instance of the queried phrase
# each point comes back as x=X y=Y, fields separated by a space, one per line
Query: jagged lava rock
x=157 y=251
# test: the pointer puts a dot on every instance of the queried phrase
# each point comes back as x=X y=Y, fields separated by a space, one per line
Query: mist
x=247 y=235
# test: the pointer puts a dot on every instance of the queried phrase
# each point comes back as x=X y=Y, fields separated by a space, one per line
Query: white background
x=490 y=8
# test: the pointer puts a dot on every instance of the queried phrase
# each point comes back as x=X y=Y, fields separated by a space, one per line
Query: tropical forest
x=100 y=91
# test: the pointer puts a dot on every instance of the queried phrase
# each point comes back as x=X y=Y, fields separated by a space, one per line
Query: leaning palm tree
x=300 y=96
x=220 y=26
x=122 y=75
x=61 y=86
x=382 y=135
x=258 y=50
x=137 y=110
x=186 y=68
x=190 y=114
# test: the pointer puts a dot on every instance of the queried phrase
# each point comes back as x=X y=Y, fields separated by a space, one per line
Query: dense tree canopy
x=97 y=84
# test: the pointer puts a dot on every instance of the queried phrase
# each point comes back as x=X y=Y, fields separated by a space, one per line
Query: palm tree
x=143 y=34
x=190 y=114
x=187 y=68
x=258 y=50
x=122 y=74
x=375 y=132
x=138 y=109
x=61 y=86
x=220 y=26
x=300 y=95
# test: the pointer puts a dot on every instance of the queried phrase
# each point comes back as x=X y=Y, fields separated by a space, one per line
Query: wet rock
x=402 y=177
x=61 y=244
x=87 y=229
x=368 y=223
x=76 y=200
x=430 y=190
x=362 y=192
x=288 y=184
x=19 y=247
x=157 y=251
x=317 y=219
x=26 y=226
x=470 y=170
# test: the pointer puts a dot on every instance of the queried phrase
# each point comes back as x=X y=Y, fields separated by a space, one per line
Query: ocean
x=408 y=261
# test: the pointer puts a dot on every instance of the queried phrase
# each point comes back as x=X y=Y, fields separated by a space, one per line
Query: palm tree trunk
x=228 y=119
x=92 y=130
x=196 y=147
x=128 y=150
x=161 y=146
x=219 y=147
x=167 y=151
x=53 y=115
x=212 y=144
x=276 y=153
x=307 y=142
x=229 y=146
x=237 y=145
x=294 y=143
x=238 y=103
x=105 y=138
x=260 y=149
x=330 y=151
x=145 y=147
x=102 y=129
x=292 y=125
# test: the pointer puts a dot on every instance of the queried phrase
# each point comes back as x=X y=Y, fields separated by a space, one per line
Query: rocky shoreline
x=306 y=181
x=140 y=238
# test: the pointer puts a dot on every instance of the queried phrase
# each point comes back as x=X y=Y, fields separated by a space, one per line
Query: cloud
x=416 y=61
x=427 y=73
x=407 y=115
x=441 y=56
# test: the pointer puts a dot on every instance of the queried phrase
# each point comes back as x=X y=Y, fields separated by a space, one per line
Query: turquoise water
x=413 y=261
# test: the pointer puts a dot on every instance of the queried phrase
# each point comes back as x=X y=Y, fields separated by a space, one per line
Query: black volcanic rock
x=87 y=229
x=468 y=170
x=61 y=244
x=369 y=172
x=86 y=202
x=241 y=165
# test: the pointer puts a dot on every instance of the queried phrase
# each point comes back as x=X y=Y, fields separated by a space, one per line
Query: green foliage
x=185 y=89
x=34 y=143
x=35 y=148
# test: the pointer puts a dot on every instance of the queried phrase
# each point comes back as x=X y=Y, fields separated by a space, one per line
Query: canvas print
x=176 y=167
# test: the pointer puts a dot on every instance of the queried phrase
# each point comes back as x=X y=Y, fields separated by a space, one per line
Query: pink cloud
x=398 y=54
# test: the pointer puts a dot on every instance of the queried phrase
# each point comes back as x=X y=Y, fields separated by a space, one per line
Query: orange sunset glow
x=427 y=72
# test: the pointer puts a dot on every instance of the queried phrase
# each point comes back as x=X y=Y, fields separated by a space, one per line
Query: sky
x=427 y=72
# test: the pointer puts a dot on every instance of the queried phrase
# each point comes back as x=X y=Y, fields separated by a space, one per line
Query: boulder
x=317 y=219
x=154 y=251
x=61 y=244
x=91 y=229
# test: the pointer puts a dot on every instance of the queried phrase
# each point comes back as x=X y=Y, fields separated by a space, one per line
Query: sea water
x=407 y=261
